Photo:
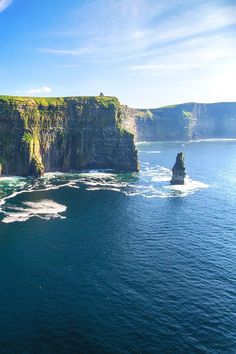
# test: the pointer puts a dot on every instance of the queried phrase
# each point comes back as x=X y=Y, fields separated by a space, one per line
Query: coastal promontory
x=189 y=121
x=40 y=135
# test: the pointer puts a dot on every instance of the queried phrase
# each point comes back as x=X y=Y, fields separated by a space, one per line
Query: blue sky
x=148 y=53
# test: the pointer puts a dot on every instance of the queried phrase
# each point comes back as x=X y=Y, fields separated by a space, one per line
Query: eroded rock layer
x=185 y=122
x=63 y=134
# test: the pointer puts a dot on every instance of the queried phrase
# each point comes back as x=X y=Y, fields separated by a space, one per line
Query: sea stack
x=178 y=170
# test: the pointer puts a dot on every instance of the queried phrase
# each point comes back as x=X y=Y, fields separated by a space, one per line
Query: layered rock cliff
x=186 y=121
x=63 y=134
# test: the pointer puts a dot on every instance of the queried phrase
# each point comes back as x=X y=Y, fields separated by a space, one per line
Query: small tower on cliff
x=178 y=170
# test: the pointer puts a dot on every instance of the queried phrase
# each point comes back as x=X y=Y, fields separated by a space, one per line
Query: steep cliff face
x=186 y=122
x=63 y=134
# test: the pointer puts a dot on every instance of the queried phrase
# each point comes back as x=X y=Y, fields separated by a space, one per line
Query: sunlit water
x=99 y=262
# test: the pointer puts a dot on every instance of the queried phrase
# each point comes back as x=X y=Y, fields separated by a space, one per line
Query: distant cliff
x=63 y=134
x=185 y=122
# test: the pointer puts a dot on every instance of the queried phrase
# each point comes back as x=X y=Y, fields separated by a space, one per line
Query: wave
x=140 y=143
x=44 y=209
x=189 y=187
x=212 y=140
x=201 y=140
x=151 y=182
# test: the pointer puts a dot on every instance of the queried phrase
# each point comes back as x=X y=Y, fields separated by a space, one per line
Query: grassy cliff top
x=60 y=101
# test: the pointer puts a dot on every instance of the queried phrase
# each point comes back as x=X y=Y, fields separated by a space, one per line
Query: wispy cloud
x=190 y=55
x=176 y=40
x=4 y=4
x=125 y=31
x=69 y=52
x=39 y=90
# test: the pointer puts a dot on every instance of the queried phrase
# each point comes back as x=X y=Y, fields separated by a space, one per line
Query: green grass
x=46 y=101
x=170 y=106
x=106 y=101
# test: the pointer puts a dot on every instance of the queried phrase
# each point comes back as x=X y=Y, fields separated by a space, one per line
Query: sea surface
x=98 y=262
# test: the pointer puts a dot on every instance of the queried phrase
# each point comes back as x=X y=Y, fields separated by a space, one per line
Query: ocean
x=98 y=262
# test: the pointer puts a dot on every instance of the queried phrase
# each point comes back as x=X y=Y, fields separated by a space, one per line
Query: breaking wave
x=152 y=152
x=202 y=140
x=188 y=188
x=218 y=140
x=151 y=182
x=44 y=209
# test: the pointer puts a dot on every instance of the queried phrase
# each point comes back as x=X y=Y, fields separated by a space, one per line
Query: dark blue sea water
x=104 y=263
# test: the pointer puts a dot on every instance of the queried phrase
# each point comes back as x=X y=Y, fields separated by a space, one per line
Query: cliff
x=186 y=121
x=63 y=134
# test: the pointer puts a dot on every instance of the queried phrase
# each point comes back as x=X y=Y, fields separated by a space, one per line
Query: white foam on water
x=156 y=174
x=144 y=143
x=13 y=195
x=105 y=184
x=162 y=175
x=9 y=178
x=97 y=174
x=212 y=140
x=185 y=141
x=103 y=189
x=50 y=175
x=157 y=184
x=44 y=209
x=188 y=188
x=151 y=182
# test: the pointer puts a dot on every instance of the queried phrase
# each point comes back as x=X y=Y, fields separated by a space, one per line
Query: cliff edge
x=185 y=122
x=63 y=134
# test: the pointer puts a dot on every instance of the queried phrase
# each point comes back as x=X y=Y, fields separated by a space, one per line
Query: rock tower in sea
x=178 y=170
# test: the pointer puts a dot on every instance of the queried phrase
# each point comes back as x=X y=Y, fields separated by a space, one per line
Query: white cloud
x=195 y=54
x=4 y=4
x=117 y=34
x=67 y=52
x=39 y=90
x=166 y=43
